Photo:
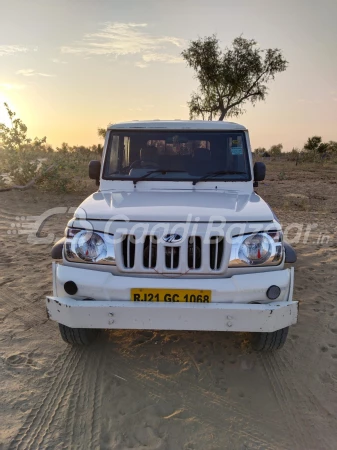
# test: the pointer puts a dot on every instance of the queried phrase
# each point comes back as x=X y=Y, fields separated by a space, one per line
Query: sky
x=71 y=66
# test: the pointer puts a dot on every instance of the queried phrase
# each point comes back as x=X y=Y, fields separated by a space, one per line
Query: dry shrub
x=32 y=162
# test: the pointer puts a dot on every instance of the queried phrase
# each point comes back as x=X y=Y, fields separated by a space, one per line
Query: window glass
x=177 y=155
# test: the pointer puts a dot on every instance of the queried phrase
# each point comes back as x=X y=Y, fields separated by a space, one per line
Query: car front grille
x=150 y=254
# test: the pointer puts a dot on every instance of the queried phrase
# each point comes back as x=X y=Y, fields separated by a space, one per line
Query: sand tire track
x=29 y=422
x=96 y=389
x=30 y=314
x=302 y=435
x=41 y=416
x=209 y=411
x=304 y=395
x=73 y=407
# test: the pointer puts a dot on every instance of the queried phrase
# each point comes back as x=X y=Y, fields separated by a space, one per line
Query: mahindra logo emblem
x=172 y=238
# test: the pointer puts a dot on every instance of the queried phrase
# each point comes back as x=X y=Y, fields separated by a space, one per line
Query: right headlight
x=258 y=249
x=87 y=246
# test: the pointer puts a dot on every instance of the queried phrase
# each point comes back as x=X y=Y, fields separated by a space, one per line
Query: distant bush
x=259 y=151
x=25 y=162
x=275 y=150
x=315 y=150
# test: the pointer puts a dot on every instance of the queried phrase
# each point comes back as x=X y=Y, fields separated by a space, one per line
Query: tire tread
x=267 y=342
x=78 y=336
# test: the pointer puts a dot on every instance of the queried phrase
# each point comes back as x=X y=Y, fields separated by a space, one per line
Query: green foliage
x=276 y=150
x=23 y=160
x=229 y=79
x=14 y=138
x=101 y=132
x=315 y=149
x=294 y=155
x=332 y=148
x=68 y=173
x=260 y=151
x=98 y=149
x=313 y=144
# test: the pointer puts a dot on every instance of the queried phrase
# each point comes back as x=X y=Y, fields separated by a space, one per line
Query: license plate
x=171 y=295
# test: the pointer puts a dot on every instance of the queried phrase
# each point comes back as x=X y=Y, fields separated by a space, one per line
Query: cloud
x=121 y=39
x=58 y=61
x=308 y=101
x=141 y=64
x=11 y=86
x=32 y=73
x=7 y=50
x=162 y=57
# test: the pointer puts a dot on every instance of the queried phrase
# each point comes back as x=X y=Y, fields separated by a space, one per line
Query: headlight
x=259 y=249
x=89 y=246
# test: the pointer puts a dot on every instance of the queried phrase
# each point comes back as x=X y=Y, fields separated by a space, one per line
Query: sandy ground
x=170 y=390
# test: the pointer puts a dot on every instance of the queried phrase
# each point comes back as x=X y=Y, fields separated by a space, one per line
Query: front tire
x=269 y=342
x=78 y=336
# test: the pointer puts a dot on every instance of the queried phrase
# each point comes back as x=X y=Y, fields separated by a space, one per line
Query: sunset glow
x=91 y=66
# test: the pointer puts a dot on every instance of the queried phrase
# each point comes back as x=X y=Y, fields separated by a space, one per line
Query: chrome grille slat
x=150 y=251
x=129 y=249
x=172 y=257
x=216 y=251
x=194 y=251
x=128 y=252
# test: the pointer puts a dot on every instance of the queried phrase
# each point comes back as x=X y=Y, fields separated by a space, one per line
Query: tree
x=332 y=147
x=276 y=150
x=101 y=132
x=14 y=137
x=26 y=162
x=315 y=145
x=259 y=151
x=229 y=79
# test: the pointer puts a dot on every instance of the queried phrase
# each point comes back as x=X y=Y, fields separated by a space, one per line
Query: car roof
x=178 y=125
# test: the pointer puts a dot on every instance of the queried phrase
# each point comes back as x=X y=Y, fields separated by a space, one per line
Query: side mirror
x=259 y=172
x=95 y=170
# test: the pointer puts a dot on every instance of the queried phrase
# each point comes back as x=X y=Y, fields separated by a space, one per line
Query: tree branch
x=248 y=92
x=29 y=184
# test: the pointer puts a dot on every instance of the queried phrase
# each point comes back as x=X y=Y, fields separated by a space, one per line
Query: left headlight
x=89 y=247
x=258 y=249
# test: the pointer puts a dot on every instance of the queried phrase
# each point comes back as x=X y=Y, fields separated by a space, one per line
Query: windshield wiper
x=214 y=174
x=163 y=171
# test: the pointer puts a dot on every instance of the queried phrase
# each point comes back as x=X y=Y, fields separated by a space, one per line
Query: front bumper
x=103 y=301
x=171 y=316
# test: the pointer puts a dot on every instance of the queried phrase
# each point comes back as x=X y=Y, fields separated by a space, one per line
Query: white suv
x=175 y=238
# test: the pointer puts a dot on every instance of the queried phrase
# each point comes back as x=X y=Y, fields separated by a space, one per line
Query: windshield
x=176 y=155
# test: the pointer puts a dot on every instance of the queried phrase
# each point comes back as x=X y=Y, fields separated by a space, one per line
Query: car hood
x=175 y=206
